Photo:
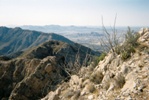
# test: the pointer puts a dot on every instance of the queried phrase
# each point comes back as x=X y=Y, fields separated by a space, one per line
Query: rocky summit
x=117 y=77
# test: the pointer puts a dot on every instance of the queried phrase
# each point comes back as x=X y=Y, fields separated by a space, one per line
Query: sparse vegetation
x=126 y=51
x=101 y=57
x=110 y=39
x=90 y=87
x=120 y=81
x=98 y=59
x=131 y=38
x=125 y=55
x=96 y=77
x=128 y=47
x=112 y=42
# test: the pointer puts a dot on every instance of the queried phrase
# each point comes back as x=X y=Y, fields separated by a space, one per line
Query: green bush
x=97 y=59
x=118 y=49
x=128 y=46
x=101 y=57
x=131 y=37
x=125 y=55
x=127 y=51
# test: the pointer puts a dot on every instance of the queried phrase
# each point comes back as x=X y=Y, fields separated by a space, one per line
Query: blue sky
x=74 y=12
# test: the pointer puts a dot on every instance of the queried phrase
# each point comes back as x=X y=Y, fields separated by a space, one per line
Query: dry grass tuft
x=96 y=77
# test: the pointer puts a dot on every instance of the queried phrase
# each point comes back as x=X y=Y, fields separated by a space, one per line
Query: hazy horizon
x=74 y=12
x=89 y=26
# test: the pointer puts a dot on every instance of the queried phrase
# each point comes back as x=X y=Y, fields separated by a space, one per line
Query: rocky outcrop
x=39 y=70
x=73 y=53
x=28 y=79
x=112 y=79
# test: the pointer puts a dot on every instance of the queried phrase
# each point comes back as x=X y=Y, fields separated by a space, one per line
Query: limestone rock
x=122 y=79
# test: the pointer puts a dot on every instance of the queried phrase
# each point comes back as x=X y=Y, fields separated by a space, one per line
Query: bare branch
x=111 y=38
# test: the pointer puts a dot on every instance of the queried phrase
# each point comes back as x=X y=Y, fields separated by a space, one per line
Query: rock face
x=57 y=48
x=119 y=79
x=14 y=40
x=39 y=70
x=27 y=79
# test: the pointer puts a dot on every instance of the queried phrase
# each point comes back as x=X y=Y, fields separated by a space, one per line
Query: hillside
x=13 y=40
x=57 y=70
x=116 y=77
x=38 y=70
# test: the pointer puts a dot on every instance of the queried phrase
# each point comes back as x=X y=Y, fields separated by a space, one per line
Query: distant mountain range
x=85 y=35
x=62 y=29
x=66 y=30
x=15 y=40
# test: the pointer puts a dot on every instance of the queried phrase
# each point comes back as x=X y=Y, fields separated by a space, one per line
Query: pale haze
x=74 y=12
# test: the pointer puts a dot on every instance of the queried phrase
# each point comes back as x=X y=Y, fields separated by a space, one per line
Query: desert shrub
x=90 y=87
x=96 y=77
x=110 y=38
x=118 y=49
x=127 y=51
x=131 y=37
x=128 y=47
x=125 y=55
x=111 y=41
x=120 y=81
x=98 y=59
x=101 y=57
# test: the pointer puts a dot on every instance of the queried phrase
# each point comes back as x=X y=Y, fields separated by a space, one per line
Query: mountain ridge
x=13 y=40
x=39 y=70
